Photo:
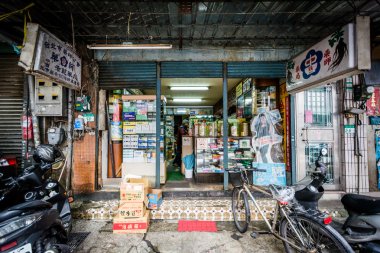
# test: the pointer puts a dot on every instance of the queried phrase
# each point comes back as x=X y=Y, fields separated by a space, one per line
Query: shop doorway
x=317 y=126
x=193 y=114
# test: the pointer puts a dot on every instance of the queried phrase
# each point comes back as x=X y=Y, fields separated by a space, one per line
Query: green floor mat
x=175 y=176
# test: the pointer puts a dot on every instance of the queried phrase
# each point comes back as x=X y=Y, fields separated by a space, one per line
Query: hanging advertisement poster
x=267 y=140
x=267 y=132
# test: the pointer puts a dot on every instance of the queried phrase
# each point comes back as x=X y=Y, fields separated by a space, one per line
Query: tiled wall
x=354 y=167
x=84 y=164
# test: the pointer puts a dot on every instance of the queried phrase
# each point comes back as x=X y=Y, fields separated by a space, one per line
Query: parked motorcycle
x=8 y=165
x=35 y=211
x=362 y=227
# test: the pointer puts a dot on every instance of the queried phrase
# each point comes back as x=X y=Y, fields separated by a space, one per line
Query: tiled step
x=210 y=209
x=173 y=209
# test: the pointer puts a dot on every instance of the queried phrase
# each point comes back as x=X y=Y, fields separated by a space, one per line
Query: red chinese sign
x=373 y=104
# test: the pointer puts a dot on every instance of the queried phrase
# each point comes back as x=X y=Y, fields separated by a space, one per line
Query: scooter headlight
x=19 y=224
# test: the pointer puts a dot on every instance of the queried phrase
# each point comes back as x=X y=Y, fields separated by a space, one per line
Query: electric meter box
x=55 y=135
x=50 y=98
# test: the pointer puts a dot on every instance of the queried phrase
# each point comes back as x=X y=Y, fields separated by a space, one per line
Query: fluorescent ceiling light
x=129 y=46
x=187 y=100
x=189 y=88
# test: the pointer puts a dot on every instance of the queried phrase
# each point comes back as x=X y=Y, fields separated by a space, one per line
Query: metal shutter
x=118 y=75
x=256 y=69
x=11 y=106
x=178 y=69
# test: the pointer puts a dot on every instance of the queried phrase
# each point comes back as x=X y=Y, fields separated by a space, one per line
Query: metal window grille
x=318 y=102
x=312 y=151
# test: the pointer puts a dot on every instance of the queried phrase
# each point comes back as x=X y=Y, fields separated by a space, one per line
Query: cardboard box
x=132 y=225
x=154 y=206
x=134 y=189
x=131 y=209
x=154 y=195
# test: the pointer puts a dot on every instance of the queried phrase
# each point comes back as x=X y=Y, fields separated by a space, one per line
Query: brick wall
x=83 y=177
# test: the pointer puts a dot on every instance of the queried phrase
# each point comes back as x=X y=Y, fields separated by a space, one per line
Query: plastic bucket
x=188 y=173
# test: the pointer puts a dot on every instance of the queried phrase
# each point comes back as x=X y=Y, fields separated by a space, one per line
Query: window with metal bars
x=318 y=107
x=312 y=151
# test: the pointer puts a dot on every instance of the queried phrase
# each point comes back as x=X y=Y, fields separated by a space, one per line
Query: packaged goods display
x=139 y=135
x=155 y=198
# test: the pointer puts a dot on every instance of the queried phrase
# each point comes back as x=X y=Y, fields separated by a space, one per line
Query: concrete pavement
x=163 y=237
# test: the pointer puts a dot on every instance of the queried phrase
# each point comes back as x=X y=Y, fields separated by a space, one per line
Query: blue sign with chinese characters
x=57 y=60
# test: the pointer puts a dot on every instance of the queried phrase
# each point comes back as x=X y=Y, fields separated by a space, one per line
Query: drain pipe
x=69 y=156
x=36 y=129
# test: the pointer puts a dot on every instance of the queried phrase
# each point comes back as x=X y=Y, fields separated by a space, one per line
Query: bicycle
x=299 y=230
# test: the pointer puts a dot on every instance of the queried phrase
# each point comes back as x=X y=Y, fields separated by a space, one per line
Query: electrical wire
x=7 y=15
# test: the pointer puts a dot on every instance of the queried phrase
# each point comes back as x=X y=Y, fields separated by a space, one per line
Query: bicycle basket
x=282 y=193
x=235 y=178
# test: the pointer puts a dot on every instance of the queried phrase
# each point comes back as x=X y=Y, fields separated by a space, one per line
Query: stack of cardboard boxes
x=135 y=196
x=132 y=216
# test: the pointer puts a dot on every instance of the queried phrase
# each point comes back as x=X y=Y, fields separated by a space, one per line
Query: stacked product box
x=132 y=216
x=155 y=198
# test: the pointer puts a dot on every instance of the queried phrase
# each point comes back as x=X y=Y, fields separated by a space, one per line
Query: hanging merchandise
x=82 y=104
x=27 y=128
x=116 y=131
x=116 y=111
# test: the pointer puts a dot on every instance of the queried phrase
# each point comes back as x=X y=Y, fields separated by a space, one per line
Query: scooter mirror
x=324 y=151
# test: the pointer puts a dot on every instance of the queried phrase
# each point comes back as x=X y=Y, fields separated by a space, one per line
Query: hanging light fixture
x=129 y=46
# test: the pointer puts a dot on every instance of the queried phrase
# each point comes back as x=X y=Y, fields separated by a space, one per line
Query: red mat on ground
x=196 y=225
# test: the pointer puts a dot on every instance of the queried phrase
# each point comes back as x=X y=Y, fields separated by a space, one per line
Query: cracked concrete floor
x=163 y=237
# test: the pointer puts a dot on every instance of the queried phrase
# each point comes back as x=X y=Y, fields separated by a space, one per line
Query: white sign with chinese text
x=332 y=57
x=46 y=55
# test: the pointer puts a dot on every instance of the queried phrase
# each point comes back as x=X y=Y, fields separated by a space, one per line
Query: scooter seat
x=361 y=204
x=23 y=207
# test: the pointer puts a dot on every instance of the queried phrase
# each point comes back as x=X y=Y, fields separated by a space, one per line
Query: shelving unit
x=139 y=137
x=209 y=156
x=169 y=136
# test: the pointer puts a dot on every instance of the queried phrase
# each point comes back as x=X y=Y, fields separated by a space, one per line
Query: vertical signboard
x=45 y=55
x=373 y=103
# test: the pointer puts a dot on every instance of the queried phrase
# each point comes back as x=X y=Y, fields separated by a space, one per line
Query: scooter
x=32 y=227
x=35 y=212
x=362 y=227
x=8 y=165
x=35 y=184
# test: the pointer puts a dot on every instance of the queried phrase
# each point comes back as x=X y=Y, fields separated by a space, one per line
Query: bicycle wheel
x=240 y=209
x=318 y=238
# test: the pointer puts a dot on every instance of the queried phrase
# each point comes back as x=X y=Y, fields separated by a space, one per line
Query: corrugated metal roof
x=250 y=24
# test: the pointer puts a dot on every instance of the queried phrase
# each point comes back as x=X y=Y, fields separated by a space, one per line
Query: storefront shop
x=328 y=97
x=229 y=121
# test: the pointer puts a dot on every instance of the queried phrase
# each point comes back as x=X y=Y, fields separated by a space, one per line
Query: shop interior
x=191 y=143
